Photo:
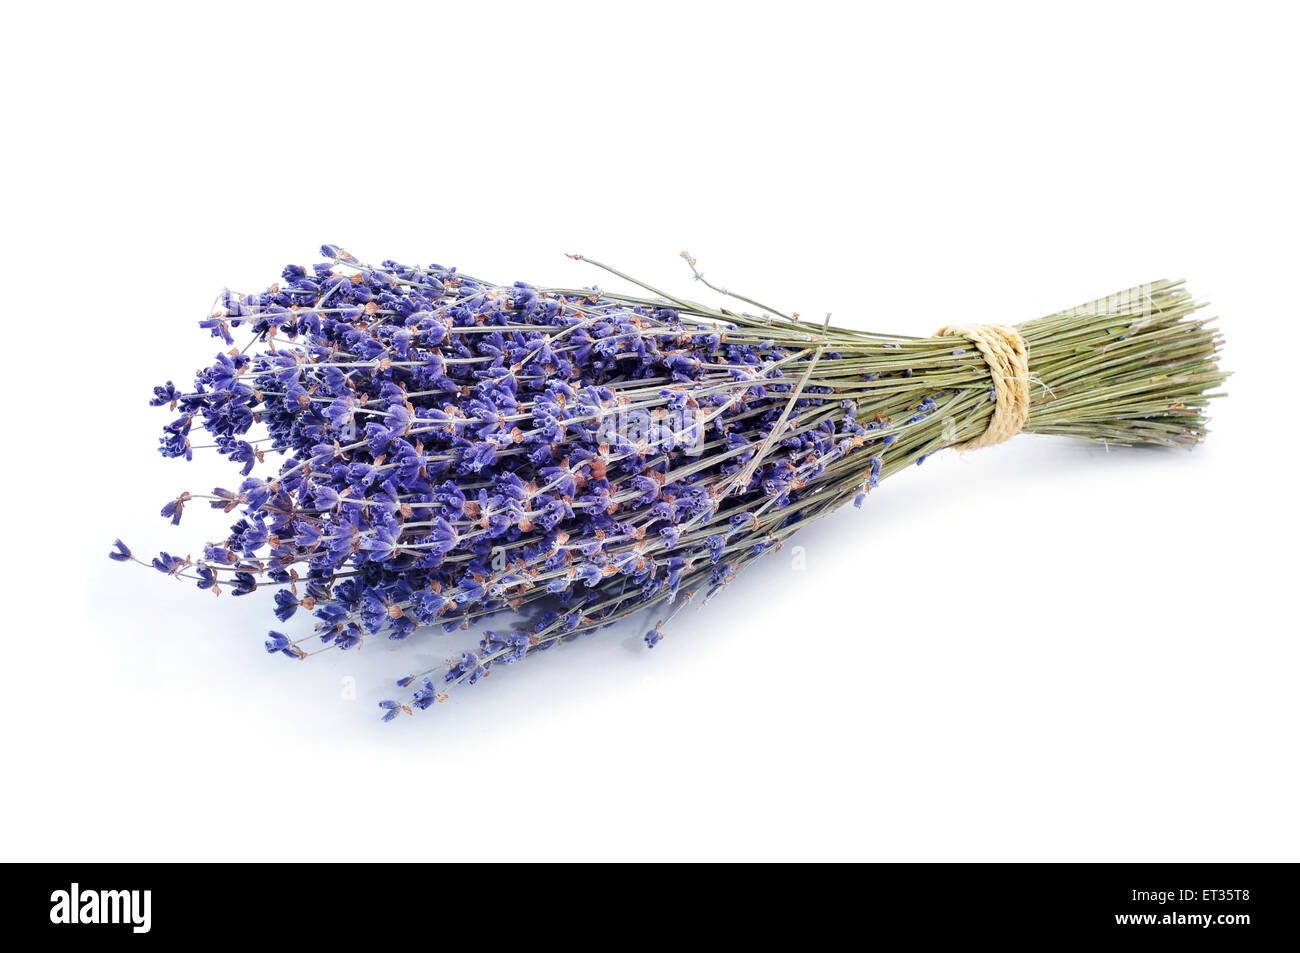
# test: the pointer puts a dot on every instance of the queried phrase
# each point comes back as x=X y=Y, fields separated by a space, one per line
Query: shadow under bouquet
x=448 y=449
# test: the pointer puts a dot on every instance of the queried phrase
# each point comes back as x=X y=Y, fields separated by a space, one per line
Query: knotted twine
x=1007 y=356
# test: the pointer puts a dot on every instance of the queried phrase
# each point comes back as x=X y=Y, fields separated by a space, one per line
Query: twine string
x=1007 y=356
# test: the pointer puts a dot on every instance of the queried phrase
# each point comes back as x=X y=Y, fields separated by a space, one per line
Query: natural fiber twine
x=1008 y=359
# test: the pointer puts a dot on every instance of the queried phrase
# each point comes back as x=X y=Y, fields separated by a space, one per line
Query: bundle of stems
x=454 y=450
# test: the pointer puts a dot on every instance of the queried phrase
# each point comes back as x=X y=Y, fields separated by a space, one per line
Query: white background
x=1041 y=651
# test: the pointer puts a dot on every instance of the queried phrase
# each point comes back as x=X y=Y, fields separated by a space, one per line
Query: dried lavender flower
x=452 y=450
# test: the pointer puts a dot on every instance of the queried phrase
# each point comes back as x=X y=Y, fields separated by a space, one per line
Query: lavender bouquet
x=561 y=459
